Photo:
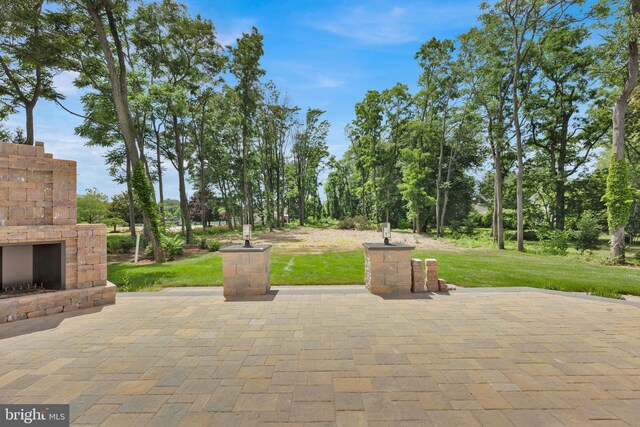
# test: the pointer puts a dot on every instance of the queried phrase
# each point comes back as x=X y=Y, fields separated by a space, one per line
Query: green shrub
x=486 y=219
x=202 y=243
x=346 y=224
x=405 y=224
x=362 y=222
x=172 y=246
x=509 y=219
x=469 y=225
x=553 y=242
x=454 y=226
x=121 y=244
x=213 y=245
x=358 y=222
x=587 y=232
x=148 y=250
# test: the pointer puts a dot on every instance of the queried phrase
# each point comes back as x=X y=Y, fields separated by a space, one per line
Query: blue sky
x=323 y=54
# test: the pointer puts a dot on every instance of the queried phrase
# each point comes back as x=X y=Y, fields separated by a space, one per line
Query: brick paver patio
x=333 y=356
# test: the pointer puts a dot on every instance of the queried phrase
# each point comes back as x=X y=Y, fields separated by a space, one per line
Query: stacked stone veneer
x=417 y=276
x=245 y=271
x=38 y=205
x=387 y=268
x=432 y=274
x=38 y=305
x=35 y=188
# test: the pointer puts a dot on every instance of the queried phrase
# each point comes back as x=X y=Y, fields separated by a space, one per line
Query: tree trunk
x=439 y=219
x=499 y=200
x=29 y=113
x=364 y=200
x=619 y=112
x=132 y=210
x=159 y=166
x=388 y=201
x=118 y=80
x=184 y=201
x=520 y=154
x=560 y=204
x=245 y=183
x=494 y=216
x=203 y=196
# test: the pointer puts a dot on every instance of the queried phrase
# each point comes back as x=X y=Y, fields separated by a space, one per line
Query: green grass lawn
x=465 y=267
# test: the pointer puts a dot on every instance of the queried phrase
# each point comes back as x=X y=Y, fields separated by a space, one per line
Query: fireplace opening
x=31 y=268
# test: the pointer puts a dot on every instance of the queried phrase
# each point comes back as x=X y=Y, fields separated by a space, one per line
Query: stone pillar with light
x=387 y=265
x=246 y=268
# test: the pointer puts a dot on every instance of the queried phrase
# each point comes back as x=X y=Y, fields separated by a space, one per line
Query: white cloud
x=325 y=81
x=394 y=25
x=310 y=76
x=63 y=83
x=232 y=30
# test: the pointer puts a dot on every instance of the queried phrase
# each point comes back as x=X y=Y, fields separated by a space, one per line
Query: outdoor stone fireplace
x=48 y=262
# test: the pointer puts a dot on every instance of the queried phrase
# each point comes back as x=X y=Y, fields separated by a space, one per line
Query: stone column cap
x=389 y=247
x=241 y=248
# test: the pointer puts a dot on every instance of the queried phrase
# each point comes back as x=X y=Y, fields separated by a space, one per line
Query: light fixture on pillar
x=386 y=232
x=246 y=235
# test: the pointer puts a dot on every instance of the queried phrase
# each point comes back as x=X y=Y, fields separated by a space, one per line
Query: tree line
x=530 y=94
x=162 y=92
x=527 y=94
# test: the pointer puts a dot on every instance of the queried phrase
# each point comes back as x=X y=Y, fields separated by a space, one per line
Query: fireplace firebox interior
x=34 y=267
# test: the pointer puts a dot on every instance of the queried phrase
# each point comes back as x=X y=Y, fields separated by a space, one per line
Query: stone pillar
x=387 y=268
x=432 y=274
x=417 y=275
x=245 y=271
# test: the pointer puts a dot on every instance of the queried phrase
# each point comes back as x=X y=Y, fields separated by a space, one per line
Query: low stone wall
x=245 y=271
x=38 y=305
x=387 y=268
x=417 y=276
x=432 y=274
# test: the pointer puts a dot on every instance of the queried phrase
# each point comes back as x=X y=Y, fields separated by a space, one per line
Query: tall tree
x=275 y=122
x=245 y=66
x=365 y=133
x=31 y=48
x=525 y=21
x=619 y=197
x=103 y=24
x=563 y=134
x=440 y=88
x=183 y=55
x=309 y=151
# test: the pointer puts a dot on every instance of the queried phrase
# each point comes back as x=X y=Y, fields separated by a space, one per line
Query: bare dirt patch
x=308 y=240
x=326 y=238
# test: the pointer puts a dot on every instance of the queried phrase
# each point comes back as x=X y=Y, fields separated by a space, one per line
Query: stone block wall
x=246 y=271
x=38 y=305
x=85 y=249
x=417 y=275
x=432 y=274
x=387 y=270
x=35 y=188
